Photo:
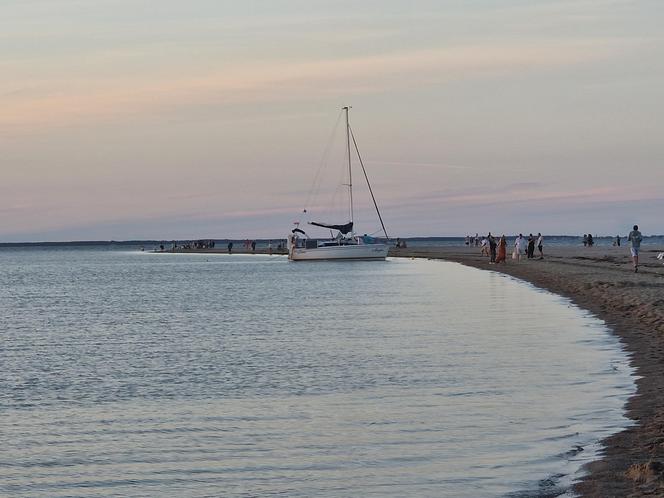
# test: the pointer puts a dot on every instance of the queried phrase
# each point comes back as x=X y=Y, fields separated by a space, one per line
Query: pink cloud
x=76 y=99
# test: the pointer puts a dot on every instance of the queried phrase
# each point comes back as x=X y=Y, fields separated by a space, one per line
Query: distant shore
x=220 y=244
x=602 y=280
x=223 y=250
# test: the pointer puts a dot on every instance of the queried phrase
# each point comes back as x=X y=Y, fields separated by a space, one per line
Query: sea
x=133 y=374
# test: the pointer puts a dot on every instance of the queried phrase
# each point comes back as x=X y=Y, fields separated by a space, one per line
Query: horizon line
x=266 y=239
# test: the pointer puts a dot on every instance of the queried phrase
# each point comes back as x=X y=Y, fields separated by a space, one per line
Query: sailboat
x=344 y=244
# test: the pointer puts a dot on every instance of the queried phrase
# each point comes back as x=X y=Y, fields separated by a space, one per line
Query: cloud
x=526 y=193
x=417 y=164
x=76 y=99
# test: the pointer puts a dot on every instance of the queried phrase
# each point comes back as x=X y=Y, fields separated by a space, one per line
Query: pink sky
x=121 y=121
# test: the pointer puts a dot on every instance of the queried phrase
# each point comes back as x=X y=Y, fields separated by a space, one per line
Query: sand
x=602 y=280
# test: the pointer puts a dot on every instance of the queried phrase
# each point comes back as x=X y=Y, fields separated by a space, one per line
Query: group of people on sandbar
x=188 y=245
x=473 y=240
x=250 y=245
x=588 y=240
x=496 y=249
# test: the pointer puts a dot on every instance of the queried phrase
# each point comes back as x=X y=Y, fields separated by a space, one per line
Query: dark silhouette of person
x=492 y=247
x=530 y=251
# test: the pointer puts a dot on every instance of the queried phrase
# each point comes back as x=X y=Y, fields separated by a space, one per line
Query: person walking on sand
x=502 y=250
x=518 y=245
x=484 y=251
x=540 y=245
x=492 y=248
x=530 y=252
x=635 y=238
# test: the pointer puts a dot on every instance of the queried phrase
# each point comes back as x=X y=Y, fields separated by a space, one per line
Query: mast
x=350 y=170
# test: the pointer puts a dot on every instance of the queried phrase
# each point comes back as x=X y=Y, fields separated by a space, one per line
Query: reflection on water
x=130 y=374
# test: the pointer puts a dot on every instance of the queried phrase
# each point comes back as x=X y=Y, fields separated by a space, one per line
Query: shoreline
x=602 y=281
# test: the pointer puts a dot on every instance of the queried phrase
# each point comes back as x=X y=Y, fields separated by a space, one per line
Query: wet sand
x=602 y=280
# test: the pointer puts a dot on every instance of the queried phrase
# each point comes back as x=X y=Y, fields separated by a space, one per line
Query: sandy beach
x=602 y=280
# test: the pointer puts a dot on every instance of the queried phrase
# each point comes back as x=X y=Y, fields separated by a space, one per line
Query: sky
x=135 y=119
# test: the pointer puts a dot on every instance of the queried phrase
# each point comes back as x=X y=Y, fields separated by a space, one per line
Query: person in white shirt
x=518 y=244
x=485 y=247
x=540 y=244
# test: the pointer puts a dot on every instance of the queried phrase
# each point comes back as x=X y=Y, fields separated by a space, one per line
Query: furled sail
x=344 y=229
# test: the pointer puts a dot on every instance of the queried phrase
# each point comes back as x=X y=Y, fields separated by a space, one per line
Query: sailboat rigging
x=345 y=245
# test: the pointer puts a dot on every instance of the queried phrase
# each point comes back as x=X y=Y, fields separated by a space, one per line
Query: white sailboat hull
x=346 y=252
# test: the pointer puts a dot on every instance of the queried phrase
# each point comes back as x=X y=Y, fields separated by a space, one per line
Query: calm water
x=131 y=374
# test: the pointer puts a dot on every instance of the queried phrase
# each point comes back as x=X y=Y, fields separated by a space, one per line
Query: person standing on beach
x=502 y=250
x=484 y=251
x=635 y=238
x=618 y=240
x=585 y=240
x=540 y=245
x=518 y=244
x=492 y=247
x=530 y=252
x=230 y=247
